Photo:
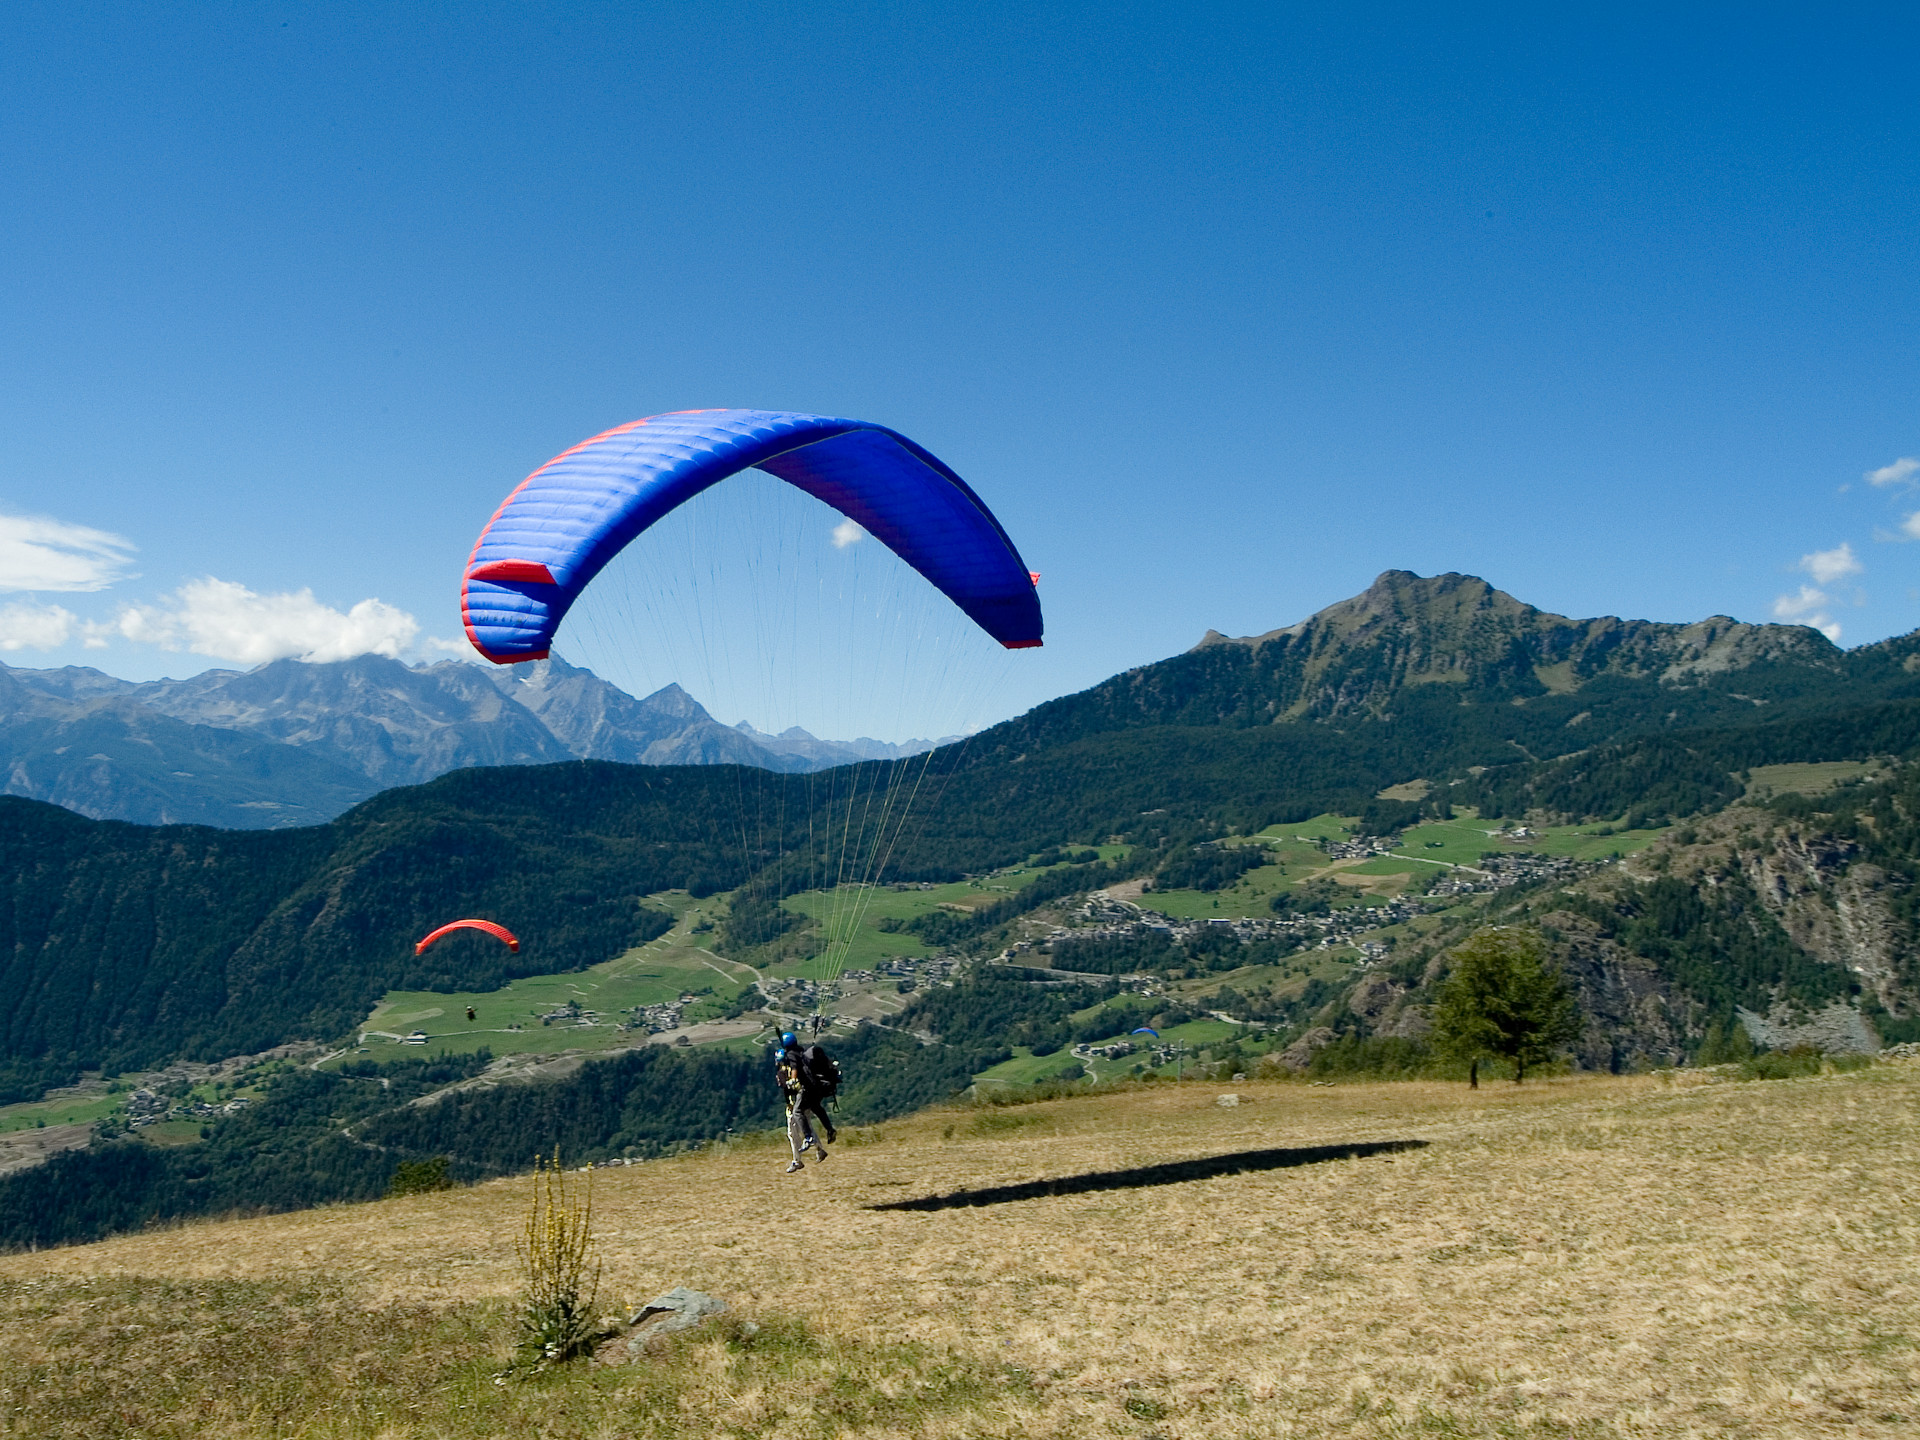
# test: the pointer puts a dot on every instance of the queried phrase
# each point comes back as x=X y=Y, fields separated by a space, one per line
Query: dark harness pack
x=819 y=1072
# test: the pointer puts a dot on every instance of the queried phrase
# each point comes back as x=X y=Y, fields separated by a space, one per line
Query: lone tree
x=1504 y=999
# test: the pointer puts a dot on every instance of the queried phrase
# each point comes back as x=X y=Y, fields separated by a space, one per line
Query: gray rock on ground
x=678 y=1309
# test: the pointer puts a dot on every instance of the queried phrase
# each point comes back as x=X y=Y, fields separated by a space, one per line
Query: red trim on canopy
x=1022 y=644
x=524 y=571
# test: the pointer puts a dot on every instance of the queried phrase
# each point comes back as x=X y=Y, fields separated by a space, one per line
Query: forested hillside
x=126 y=946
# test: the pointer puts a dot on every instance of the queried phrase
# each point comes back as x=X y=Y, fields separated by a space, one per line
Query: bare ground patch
x=23 y=1149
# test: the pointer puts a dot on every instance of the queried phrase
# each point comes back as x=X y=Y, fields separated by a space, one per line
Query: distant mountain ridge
x=1420 y=675
x=293 y=743
x=599 y=721
x=798 y=743
x=109 y=757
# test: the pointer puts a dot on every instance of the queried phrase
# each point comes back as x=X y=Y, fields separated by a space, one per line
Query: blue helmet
x=788 y=1039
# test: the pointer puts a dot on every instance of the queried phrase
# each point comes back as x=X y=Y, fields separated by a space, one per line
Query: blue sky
x=1223 y=309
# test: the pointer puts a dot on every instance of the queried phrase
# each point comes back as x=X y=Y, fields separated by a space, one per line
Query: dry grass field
x=1579 y=1257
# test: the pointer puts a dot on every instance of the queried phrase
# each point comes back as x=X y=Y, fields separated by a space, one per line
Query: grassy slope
x=64 y=1111
x=1593 y=1257
x=1813 y=778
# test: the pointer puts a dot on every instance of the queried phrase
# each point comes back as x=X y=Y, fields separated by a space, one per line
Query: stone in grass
x=678 y=1309
x=1227 y=1102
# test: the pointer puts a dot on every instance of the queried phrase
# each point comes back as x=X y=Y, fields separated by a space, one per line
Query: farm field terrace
x=30 y=1114
x=853 y=913
x=1812 y=778
x=1664 y=1255
x=1424 y=853
x=1463 y=841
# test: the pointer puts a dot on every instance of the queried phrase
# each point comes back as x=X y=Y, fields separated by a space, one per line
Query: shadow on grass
x=1176 y=1172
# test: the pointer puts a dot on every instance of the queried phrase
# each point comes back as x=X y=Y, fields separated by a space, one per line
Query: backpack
x=822 y=1074
x=787 y=1072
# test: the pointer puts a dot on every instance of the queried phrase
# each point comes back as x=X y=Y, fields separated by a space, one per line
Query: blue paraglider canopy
x=564 y=522
x=1147 y=1030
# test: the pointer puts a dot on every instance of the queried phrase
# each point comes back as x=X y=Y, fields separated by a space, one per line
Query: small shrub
x=560 y=1275
x=419 y=1177
x=1792 y=1064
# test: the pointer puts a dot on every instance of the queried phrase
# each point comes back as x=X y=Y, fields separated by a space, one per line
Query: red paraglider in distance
x=499 y=932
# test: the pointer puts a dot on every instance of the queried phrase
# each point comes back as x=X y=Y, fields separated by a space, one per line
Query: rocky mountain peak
x=1454 y=628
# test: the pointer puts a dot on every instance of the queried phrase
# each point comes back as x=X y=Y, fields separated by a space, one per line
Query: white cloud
x=847 y=532
x=1910 y=527
x=231 y=622
x=1827 y=566
x=27 y=625
x=1898 y=473
x=38 y=553
x=1809 y=607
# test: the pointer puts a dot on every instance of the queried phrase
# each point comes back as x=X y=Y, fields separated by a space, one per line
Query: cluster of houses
x=800 y=997
x=1362 y=848
x=1104 y=918
x=931 y=970
x=149 y=1107
x=1498 y=872
x=1155 y=1054
x=658 y=1019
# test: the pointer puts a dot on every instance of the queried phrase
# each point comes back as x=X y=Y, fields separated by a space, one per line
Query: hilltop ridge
x=1448 y=628
x=1456 y=660
x=1450 y=662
